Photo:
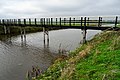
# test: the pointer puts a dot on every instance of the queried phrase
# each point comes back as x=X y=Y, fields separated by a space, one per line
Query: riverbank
x=98 y=59
x=16 y=30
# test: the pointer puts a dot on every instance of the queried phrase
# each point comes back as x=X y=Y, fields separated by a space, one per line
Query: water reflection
x=18 y=56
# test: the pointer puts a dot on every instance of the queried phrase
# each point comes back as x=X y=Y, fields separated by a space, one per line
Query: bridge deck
x=82 y=23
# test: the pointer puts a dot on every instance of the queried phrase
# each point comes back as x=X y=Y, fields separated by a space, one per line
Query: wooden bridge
x=82 y=23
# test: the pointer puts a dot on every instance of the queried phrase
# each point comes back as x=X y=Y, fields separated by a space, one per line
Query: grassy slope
x=98 y=59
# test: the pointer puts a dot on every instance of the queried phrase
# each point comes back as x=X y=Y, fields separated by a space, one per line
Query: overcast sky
x=53 y=8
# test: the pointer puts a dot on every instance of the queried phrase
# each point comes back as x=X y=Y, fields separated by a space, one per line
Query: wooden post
x=8 y=28
x=24 y=32
x=24 y=22
x=0 y=22
x=99 y=21
x=64 y=20
x=73 y=21
x=88 y=22
x=5 y=29
x=70 y=21
x=30 y=22
x=51 y=21
x=47 y=21
x=82 y=22
x=44 y=34
x=60 y=22
x=14 y=23
x=116 y=19
x=19 y=22
x=44 y=21
x=35 y=22
x=84 y=31
x=56 y=21
x=41 y=21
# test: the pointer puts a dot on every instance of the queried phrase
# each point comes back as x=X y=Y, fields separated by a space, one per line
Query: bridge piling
x=22 y=29
x=46 y=33
x=116 y=20
x=84 y=31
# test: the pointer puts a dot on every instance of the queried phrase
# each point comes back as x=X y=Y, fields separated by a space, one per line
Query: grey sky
x=53 y=8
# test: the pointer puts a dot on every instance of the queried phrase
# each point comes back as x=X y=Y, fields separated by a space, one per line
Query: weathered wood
x=56 y=21
x=47 y=21
x=70 y=21
x=51 y=21
x=29 y=21
x=24 y=22
x=64 y=20
x=60 y=21
x=88 y=22
x=116 y=19
x=0 y=22
x=19 y=22
x=85 y=23
x=82 y=22
x=73 y=21
x=35 y=22
x=99 y=22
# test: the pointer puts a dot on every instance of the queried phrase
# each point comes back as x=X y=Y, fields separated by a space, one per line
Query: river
x=17 y=57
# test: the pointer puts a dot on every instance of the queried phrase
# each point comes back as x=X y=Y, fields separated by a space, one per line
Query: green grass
x=98 y=59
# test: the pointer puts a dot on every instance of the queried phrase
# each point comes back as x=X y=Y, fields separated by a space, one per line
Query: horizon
x=58 y=8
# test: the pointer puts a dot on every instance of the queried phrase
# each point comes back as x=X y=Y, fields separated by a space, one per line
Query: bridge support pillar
x=23 y=34
x=46 y=33
x=84 y=32
x=6 y=29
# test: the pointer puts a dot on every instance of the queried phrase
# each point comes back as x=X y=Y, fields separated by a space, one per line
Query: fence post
x=70 y=21
x=56 y=21
x=64 y=20
x=116 y=21
x=30 y=22
x=88 y=22
x=82 y=22
x=35 y=22
x=84 y=31
x=99 y=21
x=73 y=21
x=60 y=21
x=51 y=21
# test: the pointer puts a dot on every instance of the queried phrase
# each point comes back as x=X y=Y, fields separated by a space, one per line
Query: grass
x=14 y=30
x=98 y=59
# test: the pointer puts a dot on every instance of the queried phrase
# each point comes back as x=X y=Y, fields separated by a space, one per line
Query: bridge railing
x=63 y=21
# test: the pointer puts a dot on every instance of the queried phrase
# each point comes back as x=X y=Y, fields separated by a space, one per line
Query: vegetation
x=14 y=30
x=98 y=59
